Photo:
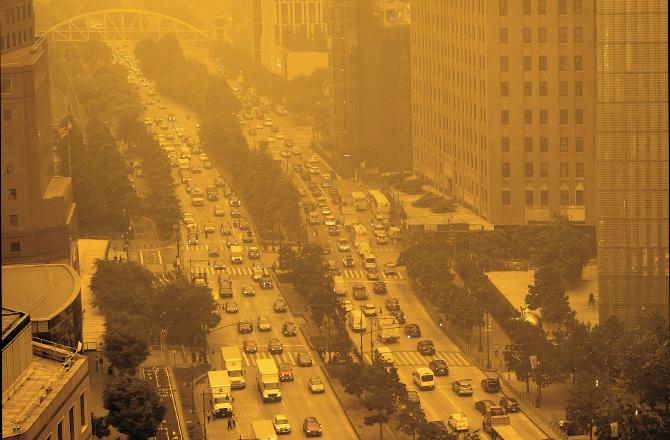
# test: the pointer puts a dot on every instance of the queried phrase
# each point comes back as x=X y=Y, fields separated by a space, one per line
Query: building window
x=504 y=145
x=527 y=63
x=564 y=144
x=565 y=197
x=528 y=144
x=11 y=193
x=528 y=169
x=578 y=34
x=563 y=63
x=544 y=169
x=563 y=88
x=82 y=410
x=544 y=197
x=562 y=7
x=7 y=115
x=579 y=169
x=15 y=246
x=564 y=117
x=504 y=64
x=562 y=35
x=541 y=7
x=71 y=417
x=529 y=197
x=505 y=169
x=544 y=144
x=527 y=35
x=504 y=117
x=579 y=88
x=503 y=35
x=9 y=168
x=579 y=144
x=565 y=170
x=526 y=7
x=504 y=89
x=577 y=8
x=506 y=197
x=579 y=117
x=542 y=35
x=503 y=7
x=544 y=117
x=527 y=89
x=13 y=219
x=527 y=117
x=543 y=88
x=578 y=63
x=579 y=197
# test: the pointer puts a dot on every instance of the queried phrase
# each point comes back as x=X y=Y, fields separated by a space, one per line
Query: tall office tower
x=503 y=106
x=247 y=28
x=38 y=211
x=342 y=61
x=384 y=101
x=632 y=158
x=294 y=37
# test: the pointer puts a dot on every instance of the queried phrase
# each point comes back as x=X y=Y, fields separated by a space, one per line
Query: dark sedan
x=490 y=385
x=279 y=306
x=510 y=404
x=289 y=329
x=483 y=405
x=439 y=367
x=379 y=287
x=275 y=346
x=413 y=331
x=392 y=304
x=285 y=372
x=245 y=327
x=426 y=347
x=399 y=316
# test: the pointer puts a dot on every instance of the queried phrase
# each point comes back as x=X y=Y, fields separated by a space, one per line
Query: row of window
x=529 y=169
x=541 y=7
x=544 y=197
x=543 y=88
x=20 y=13
x=16 y=38
x=542 y=64
x=71 y=425
x=528 y=144
x=563 y=118
x=527 y=35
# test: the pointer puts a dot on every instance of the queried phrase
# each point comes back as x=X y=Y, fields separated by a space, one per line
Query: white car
x=330 y=221
x=369 y=309
x=459 y=422
x=343 y=245
x=281 y=424
x=316 y=385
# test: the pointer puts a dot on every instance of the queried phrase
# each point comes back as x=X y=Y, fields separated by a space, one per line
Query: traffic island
x=185 y=380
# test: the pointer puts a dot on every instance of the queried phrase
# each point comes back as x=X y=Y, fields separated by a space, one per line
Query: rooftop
x=23 y=55
x=39 y=290
x=10 y=320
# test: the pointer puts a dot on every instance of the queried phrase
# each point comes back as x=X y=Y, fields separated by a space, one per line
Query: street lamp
x=177 y=231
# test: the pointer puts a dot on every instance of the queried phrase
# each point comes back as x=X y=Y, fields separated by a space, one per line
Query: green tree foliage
x=124 y=351
x=134 y=407
x=547 y=293
x=123 y=287
x=100 y=426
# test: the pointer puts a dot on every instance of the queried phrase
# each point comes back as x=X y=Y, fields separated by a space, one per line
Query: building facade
x=247 y=28
x=632 y=158
x=38 y=211
x=503 y=106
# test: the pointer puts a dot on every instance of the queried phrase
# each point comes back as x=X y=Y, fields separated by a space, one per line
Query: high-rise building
x=38 y=211
x=632 y=158
x=384 y=99
x=503 y=106
x=293 y=40
x=247 y=28
x=45 y=386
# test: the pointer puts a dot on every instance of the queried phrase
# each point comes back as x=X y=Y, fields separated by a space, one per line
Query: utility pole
x=204 y=415
x=361 y=327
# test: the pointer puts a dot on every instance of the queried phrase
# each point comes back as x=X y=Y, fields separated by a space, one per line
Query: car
x=329 y=220
x=483 y=405
x=413 y=331
x=249 y=346
x=212 y=195
x=360 y=292
x=248 y=291
x=281 y=423
x=192 y=239
x=253 y=253
x=226 y=229
x=218 y=265
x=235 y=213
x=333 y=231
x=325 y=250
x=399 y=316
x=491 y=385
x=312 y=427
x=426 y=347
x=208 y=166
x=279 y=306
x=230 y=242
x=462 y=387
x=325 y=211
x=459 y=422
x=243 y=225
x=369 y=309
x=343 y=245
x=263 y=324
x=266 y=282
x=209 y=228
x=188 y=218
x=219 y=182
x=373 y=275
x=234 y=202
x=316 y=385
x=510 y=404
x=259 y=126
x=285 y=372
x=244 y=326
x=304 y=359
x=379 y=287
x=186 y=178
x=439 y=367
x=392 y=304
x=196 y=170
x=348 y=261
x=231 y=307
x=289 y=329
x=333 y=268
x=275 y=346
x=248 y=237
x=346 y=305
x=219 y=211
x=225 y=291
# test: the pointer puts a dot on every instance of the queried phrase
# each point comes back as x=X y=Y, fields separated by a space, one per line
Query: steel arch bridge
x=119 y=25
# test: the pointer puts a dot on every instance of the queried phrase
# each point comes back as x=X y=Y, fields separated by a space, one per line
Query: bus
x=380 y=205
x=359 y=200
x=358 y=235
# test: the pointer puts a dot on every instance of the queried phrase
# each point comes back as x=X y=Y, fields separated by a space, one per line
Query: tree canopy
x=134 y=407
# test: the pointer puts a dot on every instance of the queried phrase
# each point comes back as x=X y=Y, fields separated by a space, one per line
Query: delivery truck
x=263 y=430
x=236 y=255
x=232 y=363
x=268 y=380
x=219 y=388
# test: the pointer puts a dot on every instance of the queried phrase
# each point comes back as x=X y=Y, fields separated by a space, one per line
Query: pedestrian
x=234 y=420
x=96 y=364
x=230 y=423
x=592 y=300
x=100 y=361
x=495 y=350
x=380 y=310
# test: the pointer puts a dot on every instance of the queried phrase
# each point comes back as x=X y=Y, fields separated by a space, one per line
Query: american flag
x=63 y=131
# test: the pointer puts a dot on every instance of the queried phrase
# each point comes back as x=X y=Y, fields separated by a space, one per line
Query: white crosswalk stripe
x=353 y=274
x=287 y=356
x=409 y=358
x=383 y=249
x=230 y=270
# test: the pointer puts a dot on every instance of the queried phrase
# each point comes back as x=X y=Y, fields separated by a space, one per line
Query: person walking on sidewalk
x=97 y=365
x=233 y=420
x=230 y=423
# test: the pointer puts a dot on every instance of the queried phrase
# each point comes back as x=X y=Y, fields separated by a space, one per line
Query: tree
x=134 y=407
x=100 y=426
x=355 y=377
x=125 y=352
x=383 y=393
x=123 y=287
x=548 y=293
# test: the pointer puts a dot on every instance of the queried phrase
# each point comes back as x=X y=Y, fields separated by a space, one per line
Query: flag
x=63 y=131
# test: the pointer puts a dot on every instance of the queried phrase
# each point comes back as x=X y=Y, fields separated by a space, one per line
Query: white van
x=423 y=378
x=370 y=262
x=357 y=321
x=340 y=287
x=185 y=152
x=383 y=353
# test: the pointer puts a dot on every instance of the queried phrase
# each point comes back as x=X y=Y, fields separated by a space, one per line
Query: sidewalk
x=98 y=381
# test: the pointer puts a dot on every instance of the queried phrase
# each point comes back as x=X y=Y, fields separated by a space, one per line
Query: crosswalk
x=363 y=275
x=163 y=279
x=230 y=270
x=413 y=358
x=290 y=357
x=384 y=249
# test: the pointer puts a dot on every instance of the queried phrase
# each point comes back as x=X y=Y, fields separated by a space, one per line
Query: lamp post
x=488 y=341
x=178 y=235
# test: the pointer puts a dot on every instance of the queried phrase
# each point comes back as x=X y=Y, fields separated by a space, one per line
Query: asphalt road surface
x=170 y=428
